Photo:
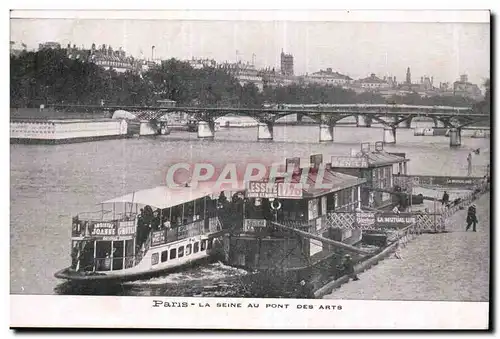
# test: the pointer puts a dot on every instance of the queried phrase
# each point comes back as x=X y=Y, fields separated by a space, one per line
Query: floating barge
x=57 y=131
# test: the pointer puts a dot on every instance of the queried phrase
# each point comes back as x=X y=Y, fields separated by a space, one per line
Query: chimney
x=421 y=80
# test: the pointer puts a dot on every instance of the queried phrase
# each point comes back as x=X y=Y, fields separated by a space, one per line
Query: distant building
x=108 y=58
x=202 y=63
x=286 y=64
x=372 y=83
x=327 y=77
x=49 y=45
x=466 y=89
x=245 y=73
x=272 y=78
x=408 y=76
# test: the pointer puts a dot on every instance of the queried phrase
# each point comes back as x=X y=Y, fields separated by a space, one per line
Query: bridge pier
x=455 y=137
x=206 y=130
x=265 y=131
x=325 y=133
x=406 y=124
x=363 y=121
x=389 y=135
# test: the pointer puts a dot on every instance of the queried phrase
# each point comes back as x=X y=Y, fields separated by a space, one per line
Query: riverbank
x=450 y=266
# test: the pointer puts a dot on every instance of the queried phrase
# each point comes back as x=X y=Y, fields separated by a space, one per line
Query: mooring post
x=455 y=137
x=325 y=133
x=389 y=135
x=363 y=121
x=265 y=131
x=206 y=130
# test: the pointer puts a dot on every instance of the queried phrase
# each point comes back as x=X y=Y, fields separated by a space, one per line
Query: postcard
x=250 y=169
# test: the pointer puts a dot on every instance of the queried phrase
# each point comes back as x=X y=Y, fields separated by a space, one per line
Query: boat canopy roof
x=165 y=197
x=377 y=159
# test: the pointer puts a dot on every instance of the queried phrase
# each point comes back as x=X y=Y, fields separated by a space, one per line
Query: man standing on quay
x=471 y=218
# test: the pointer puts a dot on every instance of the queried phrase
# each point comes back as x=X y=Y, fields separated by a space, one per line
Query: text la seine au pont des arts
x=304 y=306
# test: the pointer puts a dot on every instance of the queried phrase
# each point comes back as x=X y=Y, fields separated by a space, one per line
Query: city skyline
x=351 y=48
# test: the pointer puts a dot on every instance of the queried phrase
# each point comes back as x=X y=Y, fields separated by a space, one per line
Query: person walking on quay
x=348 y=267
x=446 y=199
x=471 y=218
x=306 y=290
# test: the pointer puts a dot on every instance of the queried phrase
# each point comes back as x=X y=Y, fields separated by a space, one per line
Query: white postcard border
x=204 y=313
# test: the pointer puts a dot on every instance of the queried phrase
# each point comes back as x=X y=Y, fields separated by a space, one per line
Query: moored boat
x=128 y=244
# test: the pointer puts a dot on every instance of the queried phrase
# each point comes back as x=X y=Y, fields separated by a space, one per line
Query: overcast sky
x=442 y=50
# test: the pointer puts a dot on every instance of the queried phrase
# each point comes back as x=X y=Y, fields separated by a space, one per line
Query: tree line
x=50 y=77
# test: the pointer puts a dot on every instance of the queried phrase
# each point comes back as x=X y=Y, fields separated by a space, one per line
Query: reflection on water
x=49 y=184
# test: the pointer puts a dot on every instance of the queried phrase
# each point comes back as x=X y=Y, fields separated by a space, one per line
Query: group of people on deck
x=150 y=221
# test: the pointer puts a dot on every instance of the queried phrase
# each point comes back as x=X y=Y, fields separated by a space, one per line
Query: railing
x=143 y=250
x=372 y=220
x=157 y=238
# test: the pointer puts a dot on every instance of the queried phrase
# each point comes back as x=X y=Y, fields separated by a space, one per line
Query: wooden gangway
x=322 y=239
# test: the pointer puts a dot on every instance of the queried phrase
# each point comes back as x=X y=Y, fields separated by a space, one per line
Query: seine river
x=51 y=183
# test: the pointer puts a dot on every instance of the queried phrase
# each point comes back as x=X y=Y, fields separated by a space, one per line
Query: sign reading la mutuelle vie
x=281 y=190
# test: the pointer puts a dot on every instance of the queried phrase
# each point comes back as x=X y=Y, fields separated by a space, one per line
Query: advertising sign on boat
x=101 y=229
x=365 y=218
x=126 y=228
x=289 y=190
x=418 y=180
x=393 y=220
x=349 y=162
x=257 y=189
x=249 y=225
x=158 y=238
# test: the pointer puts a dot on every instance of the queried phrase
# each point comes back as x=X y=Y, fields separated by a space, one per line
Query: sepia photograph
x=299 y=166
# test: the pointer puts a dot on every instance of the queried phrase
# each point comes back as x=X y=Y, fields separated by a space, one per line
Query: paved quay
x=450 y=266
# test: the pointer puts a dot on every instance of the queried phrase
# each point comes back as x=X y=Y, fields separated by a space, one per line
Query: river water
x=50 y=183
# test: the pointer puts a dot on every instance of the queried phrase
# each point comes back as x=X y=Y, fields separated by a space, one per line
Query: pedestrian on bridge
x=471 y=218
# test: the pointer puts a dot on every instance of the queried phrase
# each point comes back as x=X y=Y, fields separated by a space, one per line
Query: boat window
x=154 y=258
x=103 y=256
x=118 y=251
x=196 y=247
x=87 y=256
x=173 y=253
x=129 y=248
x=164 y=256
x=181 y=251
x=204 y=244
x=188 y=249
x=210 y=243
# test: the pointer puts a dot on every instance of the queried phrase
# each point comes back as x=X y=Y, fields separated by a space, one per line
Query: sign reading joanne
x=101 y=229
x=158 y=238
x=257 y=189
x=393 y=220
x=349 y=162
